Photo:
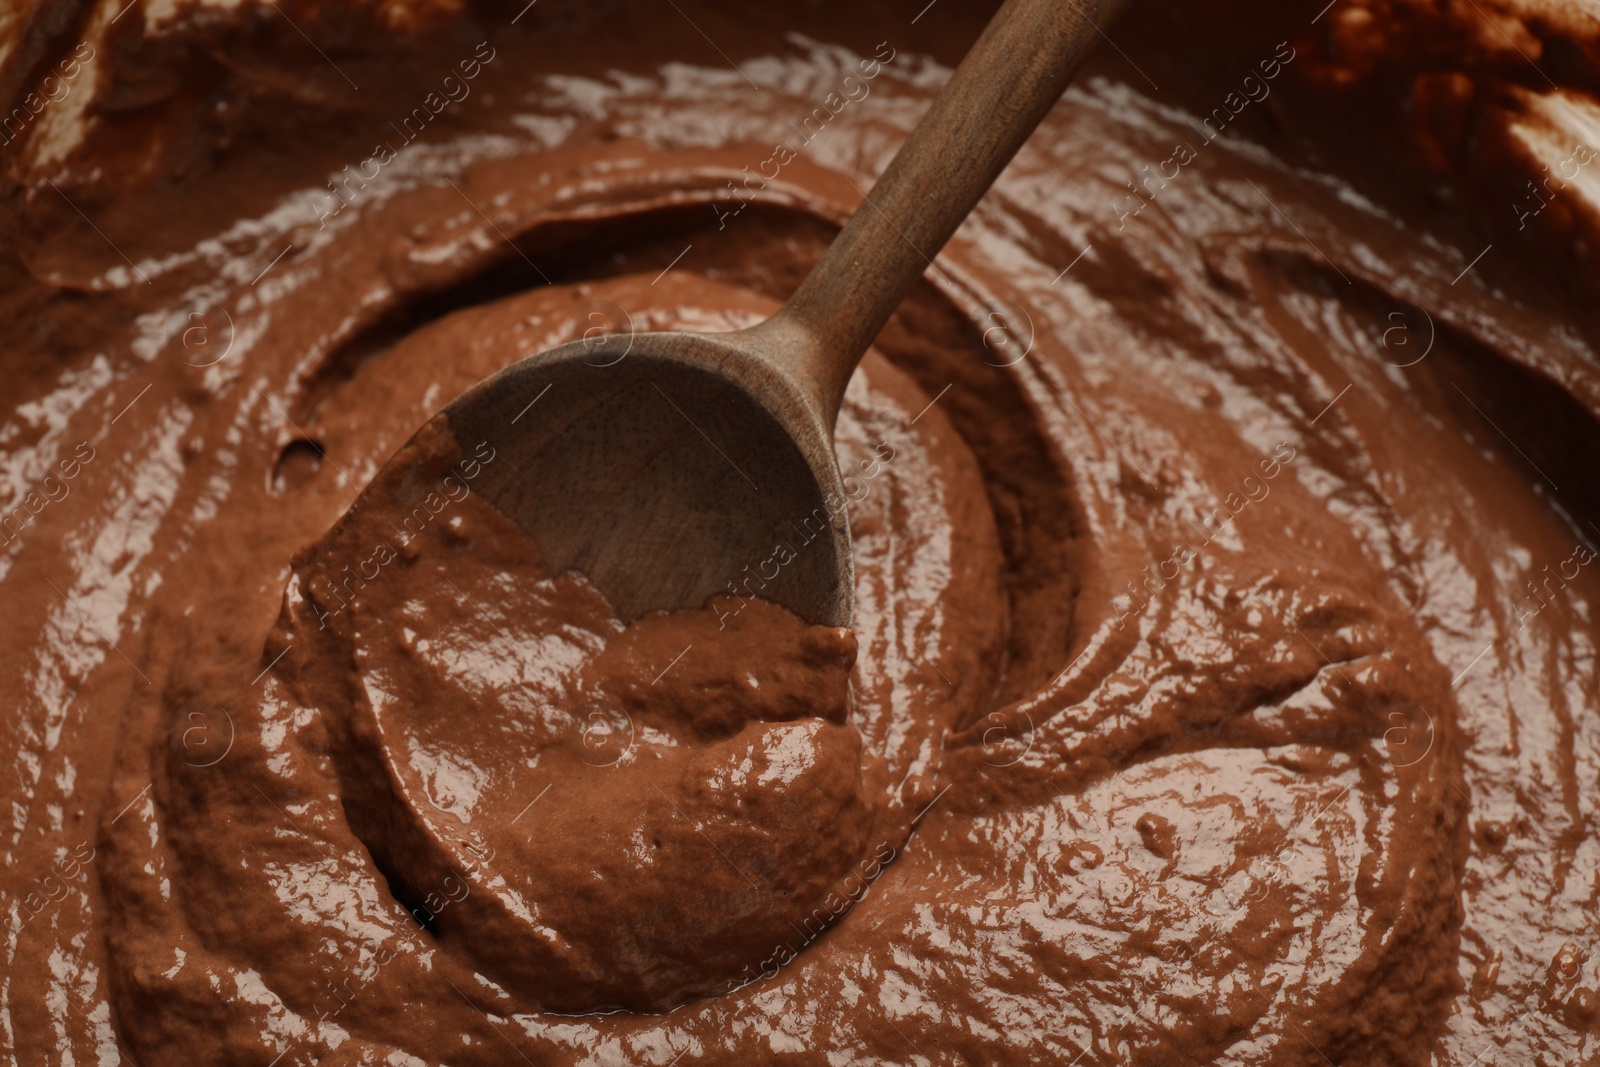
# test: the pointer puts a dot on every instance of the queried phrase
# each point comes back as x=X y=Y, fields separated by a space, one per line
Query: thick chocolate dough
x=726 y=811
x=1223 y=683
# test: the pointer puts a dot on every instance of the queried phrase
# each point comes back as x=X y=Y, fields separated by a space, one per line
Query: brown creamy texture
x=695 y=821
x=1223 y=683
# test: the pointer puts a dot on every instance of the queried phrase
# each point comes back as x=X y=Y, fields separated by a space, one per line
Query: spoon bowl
x=669 y=468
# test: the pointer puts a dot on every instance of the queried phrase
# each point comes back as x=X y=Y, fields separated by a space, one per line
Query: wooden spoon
x=669 y=467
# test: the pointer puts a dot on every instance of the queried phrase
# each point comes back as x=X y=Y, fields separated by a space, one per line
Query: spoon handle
x=1010 y=79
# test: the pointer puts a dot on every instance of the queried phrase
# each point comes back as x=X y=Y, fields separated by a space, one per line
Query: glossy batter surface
x=1222 y=688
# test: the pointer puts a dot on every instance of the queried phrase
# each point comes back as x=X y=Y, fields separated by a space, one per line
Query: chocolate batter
x=1222 y=689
